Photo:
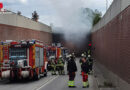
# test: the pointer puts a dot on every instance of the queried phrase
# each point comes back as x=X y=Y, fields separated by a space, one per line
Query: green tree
x=35 y=16
x=18 y=13
x=97 y=17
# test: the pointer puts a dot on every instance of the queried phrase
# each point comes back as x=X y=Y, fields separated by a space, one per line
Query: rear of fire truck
x=23 y=59
x=55 y=52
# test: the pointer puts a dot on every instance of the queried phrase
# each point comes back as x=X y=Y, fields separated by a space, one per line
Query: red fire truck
x=23 y=59
x=56 y=51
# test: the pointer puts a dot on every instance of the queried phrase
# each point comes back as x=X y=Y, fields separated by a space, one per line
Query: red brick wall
x=112 y=45
x=17 y=33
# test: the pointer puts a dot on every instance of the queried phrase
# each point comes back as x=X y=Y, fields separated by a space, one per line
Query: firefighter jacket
x=71 y=66
x=90 y=61
x=60 y=63
x=85 y=67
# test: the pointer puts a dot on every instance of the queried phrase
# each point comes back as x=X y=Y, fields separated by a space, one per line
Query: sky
x=47 y=9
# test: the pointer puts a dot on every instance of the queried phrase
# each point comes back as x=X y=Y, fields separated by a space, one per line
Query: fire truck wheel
x=11 y=79
x=45 y=73
x=38 y=77
x=11 y=76
x=31 y=75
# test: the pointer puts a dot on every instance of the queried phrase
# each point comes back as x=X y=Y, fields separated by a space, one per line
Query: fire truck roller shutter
x=37 y=56
x=41 y=63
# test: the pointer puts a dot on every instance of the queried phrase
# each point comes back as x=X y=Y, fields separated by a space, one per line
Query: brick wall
x=112 y=45
x=8 y=32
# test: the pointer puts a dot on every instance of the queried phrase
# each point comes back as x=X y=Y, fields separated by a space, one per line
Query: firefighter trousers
x=71 y=79
x=85 y=79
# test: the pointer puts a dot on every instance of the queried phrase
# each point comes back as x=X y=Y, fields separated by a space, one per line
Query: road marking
x=47 y=82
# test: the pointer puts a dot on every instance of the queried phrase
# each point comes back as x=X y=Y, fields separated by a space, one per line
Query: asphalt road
x=49 y=83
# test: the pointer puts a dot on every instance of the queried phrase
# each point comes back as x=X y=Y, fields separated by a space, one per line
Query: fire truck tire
x=45 y=73
x=36 y=76
x=11 y=76
x=31 y=75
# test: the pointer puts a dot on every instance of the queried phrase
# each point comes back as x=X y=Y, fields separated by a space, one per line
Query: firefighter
x=80 y=61
x=53 y=65
x=67 y=57
x=85 y=54
x=60 y=66
x=82 y=55
x=90 y=61
x=71 y=68
x=73 y=54
x=89 y=52
x=85 y=70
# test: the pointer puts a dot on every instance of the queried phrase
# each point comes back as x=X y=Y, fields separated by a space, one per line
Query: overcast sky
x=46 y=8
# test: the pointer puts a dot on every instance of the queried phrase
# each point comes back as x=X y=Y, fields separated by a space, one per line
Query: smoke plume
x=76 y=21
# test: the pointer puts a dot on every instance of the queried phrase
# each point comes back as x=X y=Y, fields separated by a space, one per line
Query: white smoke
x=23 y=1
x=75 y=20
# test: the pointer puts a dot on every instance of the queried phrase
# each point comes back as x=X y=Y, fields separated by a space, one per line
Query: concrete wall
x=104 y=75
x=111 y=39
x=21 y=21
x=116 y=7
x=15 y=27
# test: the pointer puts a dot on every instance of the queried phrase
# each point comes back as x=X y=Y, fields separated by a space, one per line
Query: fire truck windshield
x=17 y=53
